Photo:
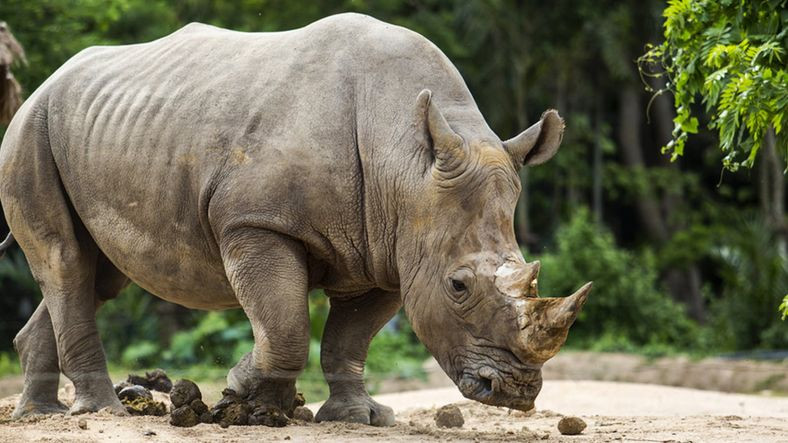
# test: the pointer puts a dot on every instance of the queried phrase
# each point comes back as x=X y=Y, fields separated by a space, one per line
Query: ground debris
x=234 y=410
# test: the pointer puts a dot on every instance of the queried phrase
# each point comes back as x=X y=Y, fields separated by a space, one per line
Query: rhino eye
x=458 y=285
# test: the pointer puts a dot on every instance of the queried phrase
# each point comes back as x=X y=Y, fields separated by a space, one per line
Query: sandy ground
x=613 y=411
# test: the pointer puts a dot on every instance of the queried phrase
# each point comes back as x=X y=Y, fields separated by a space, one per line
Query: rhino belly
x=167 y=258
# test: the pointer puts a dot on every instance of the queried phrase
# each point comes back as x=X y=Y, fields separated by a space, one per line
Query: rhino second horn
x=517 y=279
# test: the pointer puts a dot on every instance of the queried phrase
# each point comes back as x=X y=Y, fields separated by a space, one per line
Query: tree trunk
x=597 y=171
x=772 y=188
x=629 y=120
x=684 y=284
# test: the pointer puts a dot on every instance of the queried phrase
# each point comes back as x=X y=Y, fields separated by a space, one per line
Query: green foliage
x=396 y=352
x=731 y=53
x=131 y=314
x=784 y=307
x=218 y=339
x=626 y=309
x=754 y=274
x=9 y=364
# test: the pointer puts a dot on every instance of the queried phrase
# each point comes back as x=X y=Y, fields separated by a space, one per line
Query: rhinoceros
x=220 y=169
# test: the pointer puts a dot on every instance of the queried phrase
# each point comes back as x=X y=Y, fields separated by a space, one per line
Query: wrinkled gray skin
x=220 y=169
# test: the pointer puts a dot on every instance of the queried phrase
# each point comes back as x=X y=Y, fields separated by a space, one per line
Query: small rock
x=184 y=392
x=184 y=417
x=571 y=425
x=82 y=423
x=303 y=413
x=132 y=393
x=148 y=433
x=449 y=416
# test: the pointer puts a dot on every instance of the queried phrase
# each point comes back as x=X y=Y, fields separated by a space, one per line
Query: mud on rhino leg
x=349 y=330
x=269 y=276
x=37 y=350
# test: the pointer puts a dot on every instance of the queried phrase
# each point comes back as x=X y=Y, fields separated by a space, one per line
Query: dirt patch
x=612 y=412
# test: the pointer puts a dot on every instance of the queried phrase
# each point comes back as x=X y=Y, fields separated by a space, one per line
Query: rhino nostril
x=486 y=384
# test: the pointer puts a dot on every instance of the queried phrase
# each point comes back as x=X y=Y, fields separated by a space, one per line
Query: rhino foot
x=355 y=409
x=31 y=408
x=83 y=406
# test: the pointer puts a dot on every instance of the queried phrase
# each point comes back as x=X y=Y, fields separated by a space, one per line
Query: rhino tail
x=7 y=243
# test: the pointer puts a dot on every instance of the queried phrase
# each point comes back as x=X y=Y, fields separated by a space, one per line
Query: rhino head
x=469 y=293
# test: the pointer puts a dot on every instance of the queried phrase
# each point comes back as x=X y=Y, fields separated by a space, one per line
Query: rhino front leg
x=269 y=276
x=37 y=350
x=349 y=330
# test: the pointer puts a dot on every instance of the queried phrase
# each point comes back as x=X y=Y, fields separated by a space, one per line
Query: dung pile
x=235 y=410
x=188 y=409
x=155 y=380
x=303 y=413
x=138 y=400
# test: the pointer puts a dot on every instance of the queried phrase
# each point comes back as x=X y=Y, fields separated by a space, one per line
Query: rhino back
x=163 y=146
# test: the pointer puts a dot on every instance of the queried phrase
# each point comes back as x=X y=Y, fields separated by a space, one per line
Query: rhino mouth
x=513 y=385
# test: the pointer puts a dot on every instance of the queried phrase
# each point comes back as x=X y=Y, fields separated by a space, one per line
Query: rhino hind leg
x=269 y=276
x=63 y=259
x=37 y=350
x=349 y=330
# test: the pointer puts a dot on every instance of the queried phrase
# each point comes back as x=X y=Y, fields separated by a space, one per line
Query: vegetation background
x=686 y=255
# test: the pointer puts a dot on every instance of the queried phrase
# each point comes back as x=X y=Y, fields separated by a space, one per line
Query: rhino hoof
x=356 y=409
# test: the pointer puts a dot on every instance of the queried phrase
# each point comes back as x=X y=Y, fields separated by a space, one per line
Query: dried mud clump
x=449 y=416
x=571 y=425
x=155 y=380
x=234 y=410
x=304 y=414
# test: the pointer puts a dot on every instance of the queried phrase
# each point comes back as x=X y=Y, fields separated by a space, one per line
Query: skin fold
x=220 y=169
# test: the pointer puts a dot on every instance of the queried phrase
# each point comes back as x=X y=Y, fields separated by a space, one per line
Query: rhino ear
x=538 y=143
x=448 y=148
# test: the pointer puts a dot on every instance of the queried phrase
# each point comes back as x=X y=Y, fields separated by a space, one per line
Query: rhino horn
x=538 y=143
x=447 y=146
x=563 y=314
x=545 y=323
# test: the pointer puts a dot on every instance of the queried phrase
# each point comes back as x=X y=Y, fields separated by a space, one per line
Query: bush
x=754 y=274
x=625 y=310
